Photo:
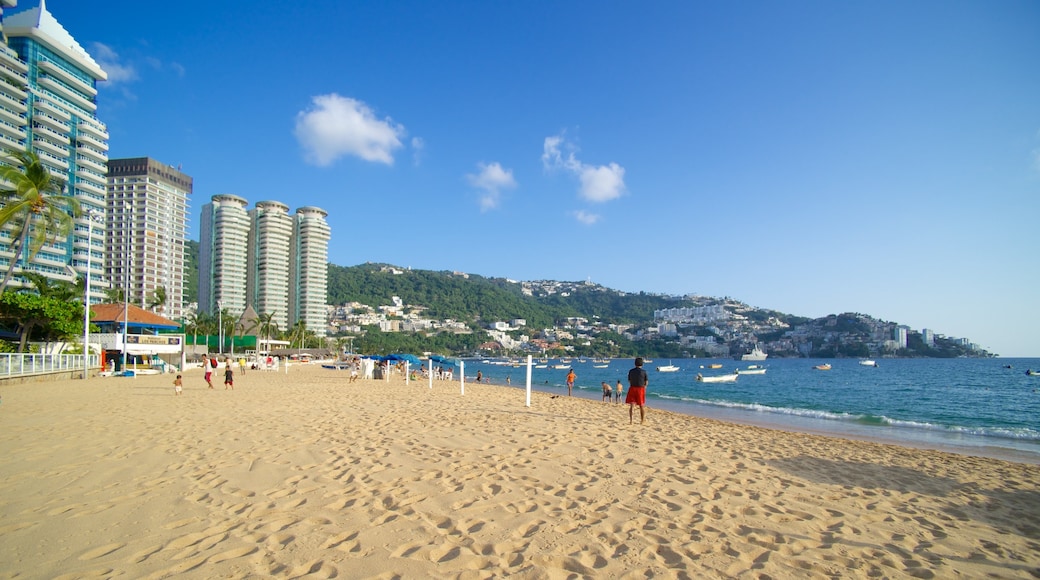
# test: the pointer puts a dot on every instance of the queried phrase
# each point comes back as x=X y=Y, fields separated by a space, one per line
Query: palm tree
x=265 y=324
x=158 y=300
x=36 y=204
x=114 y=295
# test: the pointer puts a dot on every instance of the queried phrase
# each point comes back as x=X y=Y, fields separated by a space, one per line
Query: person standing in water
x=570 y=381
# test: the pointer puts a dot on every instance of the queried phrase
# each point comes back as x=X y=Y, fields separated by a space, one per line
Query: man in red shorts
x=637 y=381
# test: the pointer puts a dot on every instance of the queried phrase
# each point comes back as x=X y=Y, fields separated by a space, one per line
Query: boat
x=732 y=377
x=823 y=367
x=338 y=366
x=600 y=366
x=667 y=368
x=561 y=366
x=868 y=363
x=715 y=366
x=541 y=366
x=1032 y=373
x=752 y=371
x=754 y=354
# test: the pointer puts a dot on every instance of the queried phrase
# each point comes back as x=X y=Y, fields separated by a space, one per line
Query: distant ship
x=754 y=354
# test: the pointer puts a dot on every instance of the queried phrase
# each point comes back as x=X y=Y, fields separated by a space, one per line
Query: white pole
x=462 y=376
x=86 y=302
x=407 y=379
x=528 y=380
x=431 y=373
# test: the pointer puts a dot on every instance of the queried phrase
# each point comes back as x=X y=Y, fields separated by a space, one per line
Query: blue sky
x=810 y=157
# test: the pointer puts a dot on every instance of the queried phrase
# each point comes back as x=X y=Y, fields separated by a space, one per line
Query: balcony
x=12 y=117
x=87 y=174
x=10 y=59
x=47 y=145
x=92 y=152
x=92 y=140
x=51 y=121
x=54 y=160
x=10 y=88
x=12 y=102
x=58 y=136
x=12 y=131
x=93 y=129
x=68 y=94
x=52 y=109
x=67 y=77
x=91 y=163
x=10 y=143
x=90 y=187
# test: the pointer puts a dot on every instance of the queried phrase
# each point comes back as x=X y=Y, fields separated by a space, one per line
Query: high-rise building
x=265 y=258
x=309 y=270
x=147 y=224
x=223 y=237
x=48 y=104
x=267 y=283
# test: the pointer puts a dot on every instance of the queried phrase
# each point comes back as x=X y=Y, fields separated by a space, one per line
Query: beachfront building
x=223 y=239
x=147 y=225
x=266 y=259
x=48 y=104
x=267 y=279
x=309 y=270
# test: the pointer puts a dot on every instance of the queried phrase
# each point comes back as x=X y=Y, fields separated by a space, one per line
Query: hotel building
x=265 y=258
x=147 y=225
x=309 y=270
x=223 y=242
x=48 y=103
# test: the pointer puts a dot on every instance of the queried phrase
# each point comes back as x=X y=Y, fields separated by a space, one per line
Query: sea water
x=975 y=406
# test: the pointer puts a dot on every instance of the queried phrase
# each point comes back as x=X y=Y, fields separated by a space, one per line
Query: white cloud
x=109 y=62
x=336 y=126
x=602 y=183
x=586 y=217
x=599 y=183
x=418 y=145
x=491 y=179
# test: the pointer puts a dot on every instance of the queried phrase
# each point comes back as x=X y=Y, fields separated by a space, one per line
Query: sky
x=811 y=157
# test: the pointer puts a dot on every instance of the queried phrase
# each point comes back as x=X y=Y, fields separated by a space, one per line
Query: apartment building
x=309 y=269
x=265 y=258
x=48 y=94
x=223 y=254
x=147 y=226
x=267 y=280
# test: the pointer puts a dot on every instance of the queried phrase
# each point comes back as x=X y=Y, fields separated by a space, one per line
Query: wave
x=1019 y=434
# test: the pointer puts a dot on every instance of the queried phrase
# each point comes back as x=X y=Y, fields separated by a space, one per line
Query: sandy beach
x=302 y=474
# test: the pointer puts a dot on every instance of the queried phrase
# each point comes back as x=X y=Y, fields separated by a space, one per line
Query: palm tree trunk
x=19 y=245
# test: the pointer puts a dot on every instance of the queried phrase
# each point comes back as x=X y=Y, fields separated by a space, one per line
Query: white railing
x=20 y=364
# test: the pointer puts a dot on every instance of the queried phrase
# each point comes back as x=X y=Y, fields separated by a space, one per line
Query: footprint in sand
x=102 y=551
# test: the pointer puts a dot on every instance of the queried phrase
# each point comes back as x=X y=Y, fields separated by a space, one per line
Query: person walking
x=570 y=381
x=229 y=376
x=637 y=382
x=209 y=365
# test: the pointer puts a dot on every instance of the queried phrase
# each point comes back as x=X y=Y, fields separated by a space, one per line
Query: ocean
x=971 y=406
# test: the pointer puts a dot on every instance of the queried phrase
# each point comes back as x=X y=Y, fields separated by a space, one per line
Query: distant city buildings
x=48 y=103
x=264 y=258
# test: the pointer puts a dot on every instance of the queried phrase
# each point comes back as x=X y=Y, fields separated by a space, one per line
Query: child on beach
x=177 y=385
x=229 y=377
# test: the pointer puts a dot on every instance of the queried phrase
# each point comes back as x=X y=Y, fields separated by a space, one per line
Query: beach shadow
x=1016 y=510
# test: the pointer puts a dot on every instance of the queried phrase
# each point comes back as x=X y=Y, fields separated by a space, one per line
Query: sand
x=303 y=474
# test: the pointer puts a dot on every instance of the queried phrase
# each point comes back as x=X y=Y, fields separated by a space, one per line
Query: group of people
x=210 y=365
x=637 y=382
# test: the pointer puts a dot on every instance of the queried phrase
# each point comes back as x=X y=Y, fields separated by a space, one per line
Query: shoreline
x=306 y=474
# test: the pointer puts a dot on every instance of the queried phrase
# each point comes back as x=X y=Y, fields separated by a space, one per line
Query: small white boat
x=541 y=366
x=561 y=366
x=667 y=368
x=823 y=367
x=868 y=363
x=730 y=378
x=752 y=371
x=600 y=366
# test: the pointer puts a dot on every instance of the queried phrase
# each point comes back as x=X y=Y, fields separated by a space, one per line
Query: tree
x=114 y=295
x=157 y=301
x=36 y=205
x=265 y=324
x=48 y=317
